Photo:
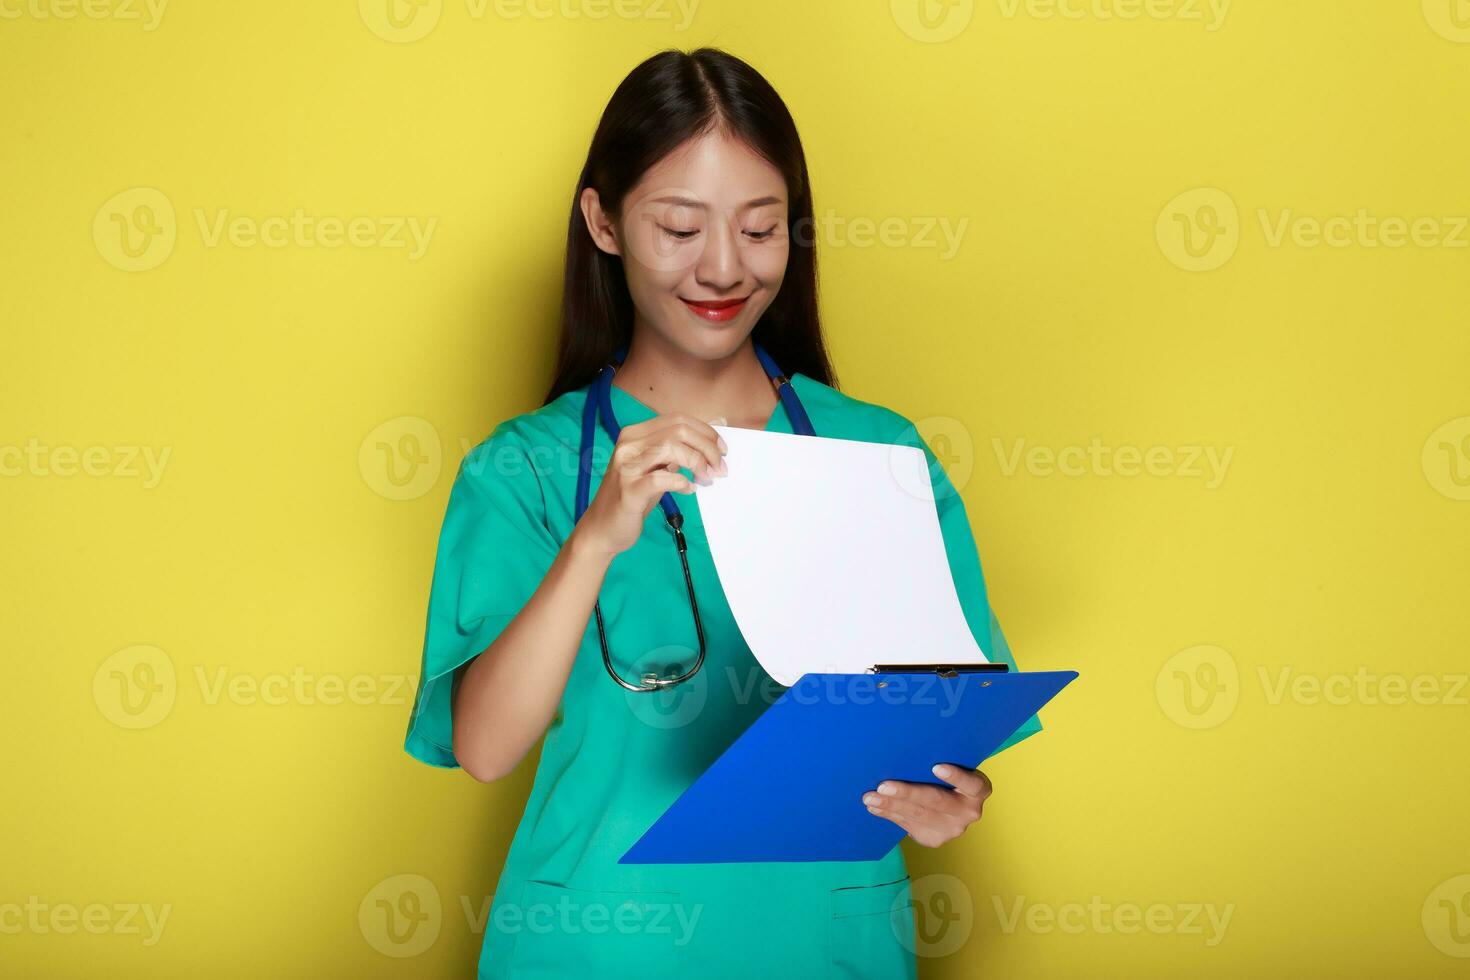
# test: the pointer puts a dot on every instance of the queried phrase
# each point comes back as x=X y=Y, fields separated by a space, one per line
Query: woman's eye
x=761 y=236
x=679 y=234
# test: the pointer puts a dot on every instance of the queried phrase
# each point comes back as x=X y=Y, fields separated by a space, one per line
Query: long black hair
x=668 y=99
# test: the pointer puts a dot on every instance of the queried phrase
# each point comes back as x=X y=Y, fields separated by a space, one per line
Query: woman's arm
x=504 y=699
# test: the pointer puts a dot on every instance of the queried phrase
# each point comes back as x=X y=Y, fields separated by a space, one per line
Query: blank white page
x=830 y=554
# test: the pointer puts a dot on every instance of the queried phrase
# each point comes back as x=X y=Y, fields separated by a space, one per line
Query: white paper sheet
x=830 y=554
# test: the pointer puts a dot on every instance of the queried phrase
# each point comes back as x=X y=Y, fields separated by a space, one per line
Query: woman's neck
x=667 y=380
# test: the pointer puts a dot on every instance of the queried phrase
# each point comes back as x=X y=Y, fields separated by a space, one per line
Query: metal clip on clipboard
x=943 y=670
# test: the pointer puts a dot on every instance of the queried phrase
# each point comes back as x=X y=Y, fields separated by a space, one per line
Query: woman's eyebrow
x=692 y=203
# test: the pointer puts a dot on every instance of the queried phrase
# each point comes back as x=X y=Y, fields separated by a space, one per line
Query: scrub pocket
x=871 y=932
x=576 y=932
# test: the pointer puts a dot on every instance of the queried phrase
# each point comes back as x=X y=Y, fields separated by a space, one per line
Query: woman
x=690 y=256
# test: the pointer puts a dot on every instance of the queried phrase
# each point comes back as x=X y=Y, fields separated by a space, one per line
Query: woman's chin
x=711 y=341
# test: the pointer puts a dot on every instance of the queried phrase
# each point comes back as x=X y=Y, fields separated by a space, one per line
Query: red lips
x=716 y=310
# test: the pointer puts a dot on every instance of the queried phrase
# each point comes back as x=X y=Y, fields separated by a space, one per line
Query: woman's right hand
x=645 y=464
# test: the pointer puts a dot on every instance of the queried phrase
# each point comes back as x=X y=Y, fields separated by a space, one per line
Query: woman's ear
x=600 y=224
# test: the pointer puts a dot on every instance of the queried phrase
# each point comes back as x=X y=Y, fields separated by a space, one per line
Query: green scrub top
x=612 y=760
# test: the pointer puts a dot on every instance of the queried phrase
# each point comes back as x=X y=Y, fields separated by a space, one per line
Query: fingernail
x=941 y=770
x=723 y=470
x=887 y=789
x=871 y=799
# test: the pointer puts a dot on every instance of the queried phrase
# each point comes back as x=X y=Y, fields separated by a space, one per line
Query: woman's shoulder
x=844 y=416
x=525 y=442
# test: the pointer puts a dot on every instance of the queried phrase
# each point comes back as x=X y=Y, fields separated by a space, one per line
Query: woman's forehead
x=712 y=170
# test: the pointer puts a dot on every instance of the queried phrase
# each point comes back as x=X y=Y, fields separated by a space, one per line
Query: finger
x=927 y=829
x=940 y=799
x=671 y=453
x=970 y=782
x=696 y=433
x=658 y=482
x=913 y=811
x=671 y=449
x=702 y=437
x=660 y=422
x=639 y=457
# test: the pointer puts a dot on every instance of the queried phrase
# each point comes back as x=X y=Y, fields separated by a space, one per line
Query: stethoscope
x=599 y=403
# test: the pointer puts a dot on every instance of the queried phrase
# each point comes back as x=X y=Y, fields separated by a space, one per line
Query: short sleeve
x=494 y=550
x=964 y=566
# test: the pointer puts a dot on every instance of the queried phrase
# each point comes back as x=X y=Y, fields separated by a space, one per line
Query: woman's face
x=704 y=244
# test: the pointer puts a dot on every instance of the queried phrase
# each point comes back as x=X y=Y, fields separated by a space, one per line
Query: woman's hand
x=933 y=814
x=645 y=464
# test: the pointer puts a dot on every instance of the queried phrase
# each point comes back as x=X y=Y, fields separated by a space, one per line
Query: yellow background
x=273 y=542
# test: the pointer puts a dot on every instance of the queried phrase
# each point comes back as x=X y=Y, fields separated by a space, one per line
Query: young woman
x=561 y=596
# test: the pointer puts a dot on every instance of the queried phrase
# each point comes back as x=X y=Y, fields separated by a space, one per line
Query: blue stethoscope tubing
x=599 y=405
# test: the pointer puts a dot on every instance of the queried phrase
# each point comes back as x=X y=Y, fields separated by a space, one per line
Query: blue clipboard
x=791 y=787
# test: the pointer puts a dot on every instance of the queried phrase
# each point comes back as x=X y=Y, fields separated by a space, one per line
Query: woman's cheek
x=769 y=268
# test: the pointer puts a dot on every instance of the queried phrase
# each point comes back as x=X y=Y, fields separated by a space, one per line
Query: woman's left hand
x=932 y=814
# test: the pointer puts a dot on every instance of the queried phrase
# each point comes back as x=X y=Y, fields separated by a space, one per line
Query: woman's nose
x=720 y=266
